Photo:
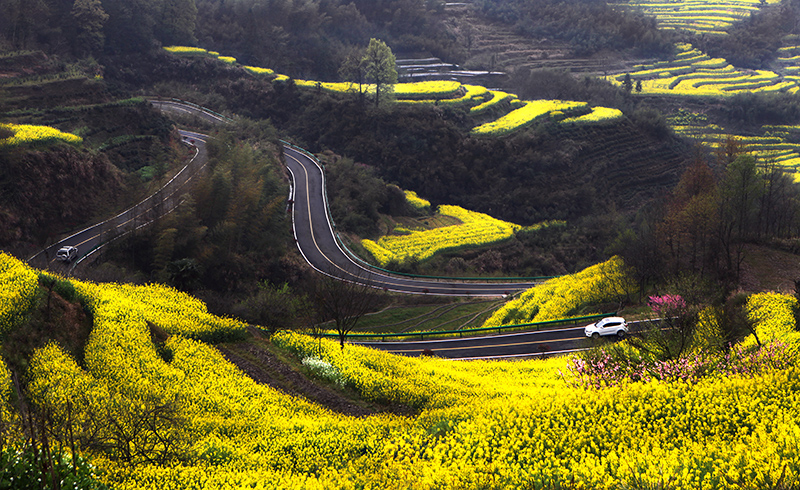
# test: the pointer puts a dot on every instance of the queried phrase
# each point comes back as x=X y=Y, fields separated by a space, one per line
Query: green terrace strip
x=430 y=334
x=530 y=112
x=697 y=16
x=457 y=315
x=690 y=74
x=26 y=134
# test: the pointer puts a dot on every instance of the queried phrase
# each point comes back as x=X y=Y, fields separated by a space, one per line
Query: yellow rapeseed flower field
x=564 y=296
x=18 y=287
x=26 y=134
x=485 y=424
x=528 y=113
x=476 y=229
x=416 y=201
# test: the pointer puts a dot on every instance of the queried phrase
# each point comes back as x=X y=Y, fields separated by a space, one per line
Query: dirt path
x=265 y=367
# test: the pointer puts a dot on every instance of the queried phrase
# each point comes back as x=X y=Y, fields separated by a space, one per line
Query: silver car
x=67 y=254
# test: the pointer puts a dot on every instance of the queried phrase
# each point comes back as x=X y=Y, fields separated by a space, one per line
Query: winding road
x=316 y=239
x=163 y=201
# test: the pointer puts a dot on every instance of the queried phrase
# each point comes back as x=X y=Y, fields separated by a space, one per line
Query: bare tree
x=344 y=302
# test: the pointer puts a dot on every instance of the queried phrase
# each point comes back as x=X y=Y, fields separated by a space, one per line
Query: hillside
x=52 y=187
x=149 y=377
x=496 y=45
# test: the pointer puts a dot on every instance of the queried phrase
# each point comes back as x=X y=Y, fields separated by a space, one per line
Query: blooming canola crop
x=26 y=134
x=476 y=229
x=490 y=424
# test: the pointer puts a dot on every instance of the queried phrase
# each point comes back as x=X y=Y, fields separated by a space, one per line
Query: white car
x=612 y=325
x=67 y=254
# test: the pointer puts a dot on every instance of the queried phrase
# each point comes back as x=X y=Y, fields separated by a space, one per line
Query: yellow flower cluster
x=416 y=201
x=335 y=87
x=473 y=95
x=227 y=59
x=189 y=51
x=424 y=90
x=527 y=114
x=497 y=97
x=255 y=70
x=478 y=424
x=7 y=413
x=26 y=134
x=171 y=310
x=476 y=229
x=18 y=287
x=565 y=296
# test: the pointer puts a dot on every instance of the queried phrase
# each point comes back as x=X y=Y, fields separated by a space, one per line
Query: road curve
x=315 y=237
x=510 y=345
x=163 y=201
x=314 y=232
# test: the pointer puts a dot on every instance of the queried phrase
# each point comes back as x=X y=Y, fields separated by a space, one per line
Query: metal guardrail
x=447 y=333
x=363 y=262
x=190 y=104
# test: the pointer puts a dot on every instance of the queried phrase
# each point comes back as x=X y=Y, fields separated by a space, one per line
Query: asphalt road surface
x=153 y=207
x=511 y=345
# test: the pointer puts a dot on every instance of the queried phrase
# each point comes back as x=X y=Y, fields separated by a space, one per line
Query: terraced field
x=696 y=16
x=497 y=113
x=694 y=73
x=495 y=46
x=646 y=167
x=772 y=144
